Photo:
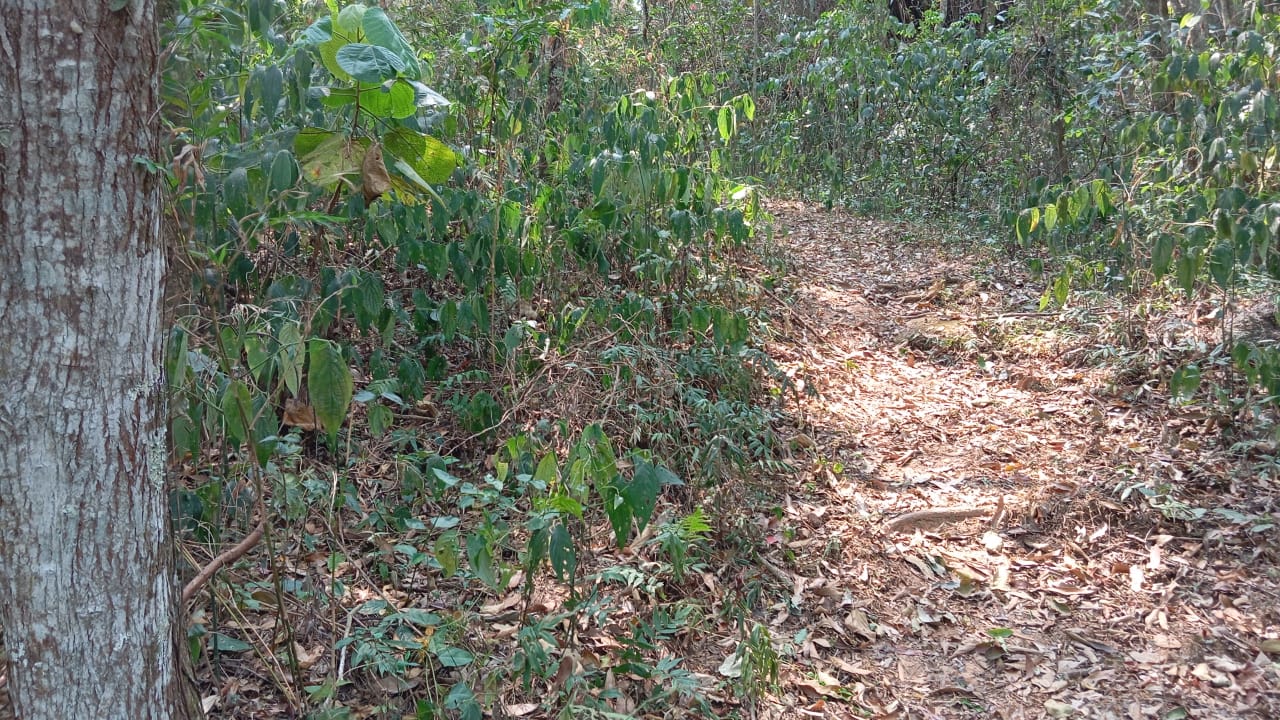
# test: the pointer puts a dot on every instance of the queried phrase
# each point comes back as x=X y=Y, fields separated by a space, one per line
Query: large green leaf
x=369 y=63
x=237 y=411
x=429 y=158
x=329 y=384
x=454 y=657
x=446 y=552
x=228 y=644
x=289 y=356
x=235 y=192
x=481 y=559
x=547 y=473
x=329 y=56
x=1222 y=264
x=284 y=171
x=336 y=158
x=336 y=97
x=308 y=139
x=351 y=18
x=618 y=510
x=320 y=32
x=642 y=492
x=564 y=558
x=390 y=100
x=380 y=31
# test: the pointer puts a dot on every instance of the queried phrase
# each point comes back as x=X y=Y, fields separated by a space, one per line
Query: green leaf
x=1022 y=228
x=567 y=505
x=1223 y=224
x=284 y=171
x=481 y=559
x=1187 y=267
x=289 y=357
x=1222 y=263
x=255 y=351
x=1061 y=288
x=619 y=513
x=337 y=97
x=724 y=122
x=350 y=18
x=642 y=492
x=547 y=472
x=271 y=86
x=447 y=478
x=424 y=96
x=329 y=57
x=564 y=559
x=175 y=357
x=328 y=384
x=368 y=63
x=394 y=100
x=429 y=158
x=1184 y=382
x=226 y=643
x=237 y=411
x=1162 y=255
x=310 y=138
x=379 y=30
x=320 y=32
x=454 y=657
x=336 y=159
x=419 y=617
x=366 y=298
x=446 y=551
x=235 y=192
x=380 y=419
x=265 y=426
x=535 y=552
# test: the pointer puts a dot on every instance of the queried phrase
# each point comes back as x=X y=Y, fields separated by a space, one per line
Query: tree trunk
x=88 y=594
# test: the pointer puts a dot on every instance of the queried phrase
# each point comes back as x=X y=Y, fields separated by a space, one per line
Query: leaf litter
x=972 y=530
x=1009 y=516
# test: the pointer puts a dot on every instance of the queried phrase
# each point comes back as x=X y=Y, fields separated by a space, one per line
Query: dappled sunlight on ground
x=961 y=543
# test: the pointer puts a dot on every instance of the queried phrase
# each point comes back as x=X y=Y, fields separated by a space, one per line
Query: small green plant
x=678 y=537
x=754 y=665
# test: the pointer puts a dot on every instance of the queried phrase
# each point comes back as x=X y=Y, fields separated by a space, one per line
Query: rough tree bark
x=88 y=594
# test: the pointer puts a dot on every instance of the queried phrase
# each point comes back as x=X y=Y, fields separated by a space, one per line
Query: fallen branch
x=228 y=555
x=937 y=516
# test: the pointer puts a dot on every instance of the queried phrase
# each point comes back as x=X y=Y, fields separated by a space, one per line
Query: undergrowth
x=480 y=366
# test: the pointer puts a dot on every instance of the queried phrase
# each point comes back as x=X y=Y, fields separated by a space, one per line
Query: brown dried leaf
x=300 y=414
x=373 y=174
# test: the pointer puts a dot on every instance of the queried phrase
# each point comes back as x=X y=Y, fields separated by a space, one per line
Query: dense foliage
x=1130 y=149
x=462 y=287
x=485 y=317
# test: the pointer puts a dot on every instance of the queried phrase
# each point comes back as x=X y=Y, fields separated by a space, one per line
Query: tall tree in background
x=88 y=599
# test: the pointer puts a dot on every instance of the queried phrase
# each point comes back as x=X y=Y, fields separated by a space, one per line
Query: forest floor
x=1004 y=514
x=996 y=512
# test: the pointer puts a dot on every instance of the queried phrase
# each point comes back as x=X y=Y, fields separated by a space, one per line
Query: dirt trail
x=960 y=545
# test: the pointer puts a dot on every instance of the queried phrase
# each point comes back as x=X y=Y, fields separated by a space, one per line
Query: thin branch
x=229 y=555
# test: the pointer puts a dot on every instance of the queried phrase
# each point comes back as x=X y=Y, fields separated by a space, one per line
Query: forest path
x=958 y=543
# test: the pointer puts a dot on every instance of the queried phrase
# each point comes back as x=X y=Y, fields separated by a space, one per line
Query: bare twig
x=228 y=555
